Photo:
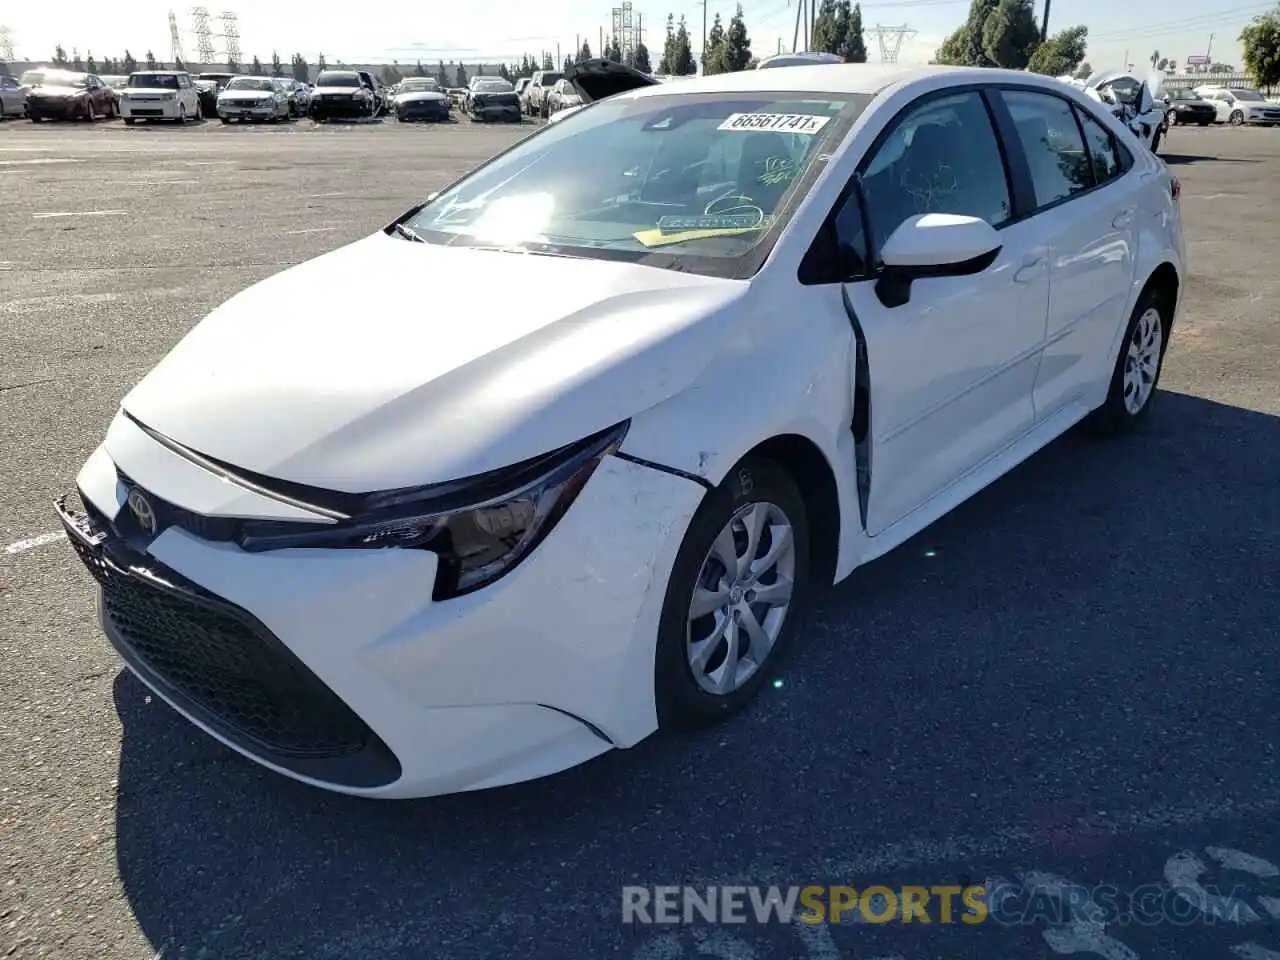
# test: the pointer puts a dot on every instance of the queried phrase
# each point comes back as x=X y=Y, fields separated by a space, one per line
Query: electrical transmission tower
x=204 y=34
x=624 y=28
x=6 y=43
x=175 y=41
x=891 y=41
x=231 y=34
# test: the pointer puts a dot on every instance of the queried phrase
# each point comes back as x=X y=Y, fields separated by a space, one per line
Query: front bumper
x=497 y=111
x=263 y=111
x=149 y=109
x=547 y=668
x=424 y=110
x=41 y=109
x=341 y=108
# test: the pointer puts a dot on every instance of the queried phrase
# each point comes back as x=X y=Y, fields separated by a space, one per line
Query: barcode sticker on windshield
x=781 y=122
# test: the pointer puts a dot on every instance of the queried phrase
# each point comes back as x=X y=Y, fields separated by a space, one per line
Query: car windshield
x=32 y=78
x=338 y=80
x=491 y=86
x=702 y=183
x=250 y=83
x=550 y=79
x=1125 y=90
x=161 y=81
x=1251 y=96
x=61 y=78
x=418 y=86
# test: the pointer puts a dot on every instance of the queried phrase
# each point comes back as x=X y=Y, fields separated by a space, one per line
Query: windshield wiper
x=408 y=234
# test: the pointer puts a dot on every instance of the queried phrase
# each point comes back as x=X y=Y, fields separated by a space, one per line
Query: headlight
x=480 y=527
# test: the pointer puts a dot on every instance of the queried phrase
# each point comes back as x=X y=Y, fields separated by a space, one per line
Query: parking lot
x=1074 y=675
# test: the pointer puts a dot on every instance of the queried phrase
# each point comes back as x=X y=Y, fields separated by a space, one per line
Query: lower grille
x=221 y=665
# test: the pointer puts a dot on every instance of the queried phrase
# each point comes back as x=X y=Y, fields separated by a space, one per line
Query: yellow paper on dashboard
x=701 y=227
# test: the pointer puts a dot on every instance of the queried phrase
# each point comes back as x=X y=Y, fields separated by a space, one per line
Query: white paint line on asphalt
x=294 y=233
x=22 y=546
x=81 y=213
x=154 y=183
x=1218 y=196
x=38 y=161
x=325 y=196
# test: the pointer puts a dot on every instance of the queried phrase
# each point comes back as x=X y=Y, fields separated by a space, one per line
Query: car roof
x=840 y=78
x=155 y=73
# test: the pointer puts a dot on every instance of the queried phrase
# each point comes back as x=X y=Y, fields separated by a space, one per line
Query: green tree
x=667 y=65
x=1154 y=58
x=737 y=45
x=256 y=67
x=59 y=56
x=826 y=33
x=547 y=62
x=614 y=51
x=76 y=62
x=584 y=53
x=568 y=64
x=321 y=64
x=90 y=64
x=964 y=47
x=460 y=76
x=151 y=61
x=684 y=63
x=640 y=59
x=1010 y=34
x=442 y=77
x=1061 y=54
x=276 y=69
x=130 y=64
x=390 y=76
x=504 y=73
x=301 y=69
x=853 y=43
x=1224 y=68
x=713 y=55
x=179 y=65
x=1084 y=71
x=233 y=65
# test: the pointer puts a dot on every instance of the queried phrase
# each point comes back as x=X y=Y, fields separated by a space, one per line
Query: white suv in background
x=536 y=102
x=1237 y=106
x=160 y=95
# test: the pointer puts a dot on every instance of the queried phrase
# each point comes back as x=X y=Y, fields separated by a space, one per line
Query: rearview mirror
x=934 y=245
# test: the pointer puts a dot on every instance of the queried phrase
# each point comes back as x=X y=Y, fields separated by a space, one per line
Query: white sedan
x=778 y=324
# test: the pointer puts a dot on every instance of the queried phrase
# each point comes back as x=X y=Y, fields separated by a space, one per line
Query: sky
x=494 y=30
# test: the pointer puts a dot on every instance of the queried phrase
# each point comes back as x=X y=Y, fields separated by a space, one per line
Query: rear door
x=1086 y=196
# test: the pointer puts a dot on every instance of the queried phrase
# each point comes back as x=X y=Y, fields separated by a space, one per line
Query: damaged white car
x=1134 y=102
x=775 y=325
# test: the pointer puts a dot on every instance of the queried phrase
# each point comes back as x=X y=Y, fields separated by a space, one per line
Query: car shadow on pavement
x=1090 y=633
x=1176 y=159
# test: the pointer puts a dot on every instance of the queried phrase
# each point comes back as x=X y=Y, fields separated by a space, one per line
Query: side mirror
x=934 y=245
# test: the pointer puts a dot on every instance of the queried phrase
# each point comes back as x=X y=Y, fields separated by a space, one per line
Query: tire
x=1236 y=118
x=226 y=120
x=1138 y=366
x=199 y=111
x=90 y=112
x=129 y=121
x=182 y=114
x=1171 y=118
x=682 y=691
x=1205 y=123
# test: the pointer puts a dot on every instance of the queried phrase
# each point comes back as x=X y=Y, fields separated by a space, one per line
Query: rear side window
x=1104 y=151
x=1052 y=143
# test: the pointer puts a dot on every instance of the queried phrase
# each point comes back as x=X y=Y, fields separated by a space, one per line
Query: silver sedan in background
x=253 y=98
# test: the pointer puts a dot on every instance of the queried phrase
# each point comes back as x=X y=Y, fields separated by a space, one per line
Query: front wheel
x=129 y=121
x=729 y=611
x=1236 y=118
x=1171 y=118
x=1137 y=370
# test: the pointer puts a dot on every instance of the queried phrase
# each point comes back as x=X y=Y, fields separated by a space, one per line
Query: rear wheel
x=90 y=112
x=1137 y=370
x=1236 y=118
x=730 y=604
x=1171 y=118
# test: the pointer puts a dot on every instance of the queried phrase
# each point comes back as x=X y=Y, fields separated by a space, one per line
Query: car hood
x=598 y=78
x=246 y=94
x=57 y=91
x=421 y=96
x=336 y=91
x=323 y=375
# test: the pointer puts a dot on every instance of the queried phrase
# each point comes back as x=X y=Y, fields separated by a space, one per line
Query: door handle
x=1030 y=270
x=1123 y=218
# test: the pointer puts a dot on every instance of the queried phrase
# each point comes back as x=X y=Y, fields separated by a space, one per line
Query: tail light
x=1175 y=188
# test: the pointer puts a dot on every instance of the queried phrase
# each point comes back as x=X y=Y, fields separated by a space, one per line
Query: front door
x=953 y=369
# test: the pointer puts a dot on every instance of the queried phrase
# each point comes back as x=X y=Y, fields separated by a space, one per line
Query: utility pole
x=1208 y=51
x=1044 y=24
x=601 y=47
x=703 y=58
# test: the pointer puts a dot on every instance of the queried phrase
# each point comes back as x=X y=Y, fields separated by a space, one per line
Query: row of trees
x=1260 y=47
x=1004 y=33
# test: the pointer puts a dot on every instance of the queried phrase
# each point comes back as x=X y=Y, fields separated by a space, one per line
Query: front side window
x=941 y=157
x=1104 y=152
x=701 y=183
x=1051 y=141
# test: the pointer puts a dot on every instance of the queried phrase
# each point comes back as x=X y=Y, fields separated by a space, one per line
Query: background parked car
x=13 y=98
x=420 y=98
x=160 y=95
x=1185 y=107
x=535 y=94
x=64 y=95
x=254 y=98
x=562 y=96
x=1236 y=106
x=492 y=98
x=379 y=91
x=297 y=94
x=343 y=94
x=521 y=85
x=115 y=82
x=459 y=97
x=209 y=85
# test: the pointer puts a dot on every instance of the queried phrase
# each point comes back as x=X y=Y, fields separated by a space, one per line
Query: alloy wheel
x=741 y=598
x=1142 y=362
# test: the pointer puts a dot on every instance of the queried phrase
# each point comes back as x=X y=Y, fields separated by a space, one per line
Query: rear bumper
x=149 y=110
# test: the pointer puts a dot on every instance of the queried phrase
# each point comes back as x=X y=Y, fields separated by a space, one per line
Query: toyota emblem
x=143 y=512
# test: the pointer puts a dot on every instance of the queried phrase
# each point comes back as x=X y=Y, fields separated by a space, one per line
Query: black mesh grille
x=222 y=665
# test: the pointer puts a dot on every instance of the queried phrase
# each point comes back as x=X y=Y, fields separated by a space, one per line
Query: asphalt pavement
x=1070 y=680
